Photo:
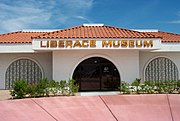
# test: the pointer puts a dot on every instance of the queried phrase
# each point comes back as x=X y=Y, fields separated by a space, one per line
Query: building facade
x=98 y=57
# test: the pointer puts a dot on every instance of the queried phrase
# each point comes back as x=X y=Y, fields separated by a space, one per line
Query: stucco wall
x=146 y=57
x=60 y=65
x=126 y=61
x=42 y=59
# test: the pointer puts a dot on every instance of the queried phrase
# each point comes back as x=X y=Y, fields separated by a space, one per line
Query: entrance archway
x=97 y=74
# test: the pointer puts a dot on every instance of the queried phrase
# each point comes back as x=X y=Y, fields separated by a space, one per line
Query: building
x=98 y=57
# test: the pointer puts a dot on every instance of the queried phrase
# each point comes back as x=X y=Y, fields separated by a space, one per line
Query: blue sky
x=163 y=15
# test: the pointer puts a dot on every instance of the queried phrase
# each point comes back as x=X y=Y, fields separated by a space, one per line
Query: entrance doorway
x=97 y=74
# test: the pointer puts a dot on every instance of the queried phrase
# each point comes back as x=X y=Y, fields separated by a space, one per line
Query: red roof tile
x=167 y=37
x=18 y=37
x=95 y=32
x=87 y=32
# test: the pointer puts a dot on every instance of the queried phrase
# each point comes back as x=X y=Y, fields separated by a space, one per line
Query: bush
x=63 y=87
x=19 y=89
x=32 y=90
x=150 y=87
x=44 y=88
x=73 y=86
x=136 y=85
x=124 y=87
x=53 y=87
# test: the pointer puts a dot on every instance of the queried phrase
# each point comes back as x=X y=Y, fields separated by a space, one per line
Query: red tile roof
x=18 y=37
x=167 y=37
x=86 y=32
x=95 y=32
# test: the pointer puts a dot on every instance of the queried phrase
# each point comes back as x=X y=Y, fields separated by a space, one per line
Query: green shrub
x=42 y=87
x=73 y=86
x=19 y=89
x=124 y=87
x=32 y=90
x=53 y=87
x=63 y=87
x=148 y=87
x=151 y=87
x=136 y=85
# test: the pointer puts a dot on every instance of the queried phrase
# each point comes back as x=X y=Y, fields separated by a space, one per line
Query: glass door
x=90 y=77
x=97 y=74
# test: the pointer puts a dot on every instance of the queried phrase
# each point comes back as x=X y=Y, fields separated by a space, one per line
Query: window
x=22 y=69
x=161 y=68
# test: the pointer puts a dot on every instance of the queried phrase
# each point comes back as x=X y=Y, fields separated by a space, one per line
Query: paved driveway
x=93 y=108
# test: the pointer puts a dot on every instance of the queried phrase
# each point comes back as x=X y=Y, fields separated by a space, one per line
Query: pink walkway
x=93 y=108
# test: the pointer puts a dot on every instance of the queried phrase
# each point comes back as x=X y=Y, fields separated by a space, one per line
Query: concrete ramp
x=174 y=101
x=93 y=108
x=76 y=108
x=139 y=107
x=22 y=110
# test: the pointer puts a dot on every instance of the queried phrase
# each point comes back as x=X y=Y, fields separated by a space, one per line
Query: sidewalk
x=93 y=108
x=4 y=95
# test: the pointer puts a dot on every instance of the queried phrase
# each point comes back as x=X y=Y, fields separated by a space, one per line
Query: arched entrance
x=97 y=74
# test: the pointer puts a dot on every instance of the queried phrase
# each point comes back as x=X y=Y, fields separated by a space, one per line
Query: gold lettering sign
x=53 y=44
x=116 y=43
x=61 y=44
x=124 y=43
x=68 y=43
x=77 y=44
x=131 y=43
x=85 y=43
x=42 y=45
x=148 y=43
x=138 y=43
x=107 y=43
x=92 y=44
